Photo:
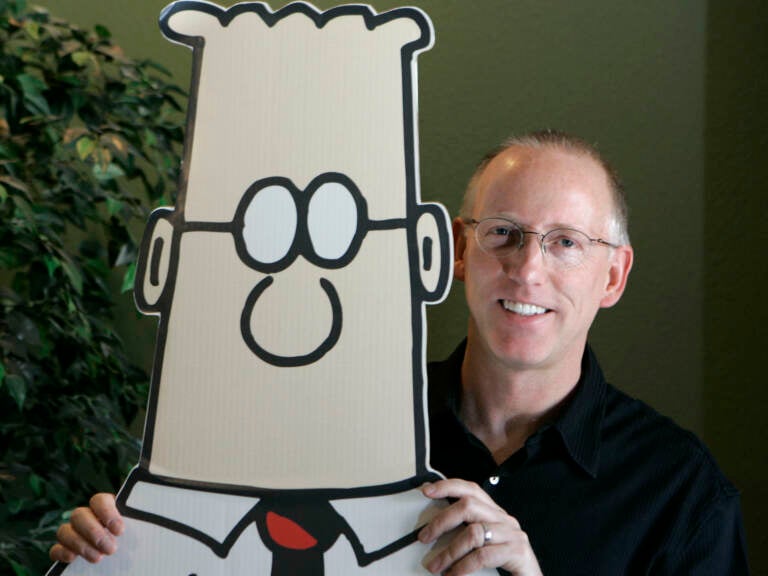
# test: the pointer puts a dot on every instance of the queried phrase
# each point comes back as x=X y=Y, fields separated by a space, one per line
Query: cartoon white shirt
x=206 y=533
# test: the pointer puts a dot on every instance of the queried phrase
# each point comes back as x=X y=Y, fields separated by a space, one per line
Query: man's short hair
x=567 y=143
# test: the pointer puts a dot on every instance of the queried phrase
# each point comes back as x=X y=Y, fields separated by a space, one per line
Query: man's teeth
x=523 y=309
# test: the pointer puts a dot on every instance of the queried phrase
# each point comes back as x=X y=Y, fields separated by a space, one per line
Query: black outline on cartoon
x=159 y=258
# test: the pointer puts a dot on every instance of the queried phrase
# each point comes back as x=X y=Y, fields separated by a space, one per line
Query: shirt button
x=494 y=480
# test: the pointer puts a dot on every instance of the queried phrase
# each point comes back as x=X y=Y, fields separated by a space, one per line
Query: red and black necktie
x=297 y=532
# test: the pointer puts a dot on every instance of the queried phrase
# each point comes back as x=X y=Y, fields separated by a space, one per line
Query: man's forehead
x=553 y=183
x=518 y=168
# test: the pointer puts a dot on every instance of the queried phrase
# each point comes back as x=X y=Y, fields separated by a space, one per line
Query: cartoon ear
x=435 y=251
x=154 y=261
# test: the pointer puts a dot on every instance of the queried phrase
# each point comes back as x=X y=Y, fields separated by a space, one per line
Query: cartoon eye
x=269 y=224
x=332 y=220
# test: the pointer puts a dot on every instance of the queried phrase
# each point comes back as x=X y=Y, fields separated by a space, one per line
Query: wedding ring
x=487 y=534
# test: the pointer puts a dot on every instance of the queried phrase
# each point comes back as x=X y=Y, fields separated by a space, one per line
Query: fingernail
x=108 y=544
x=427 y=488
x=425 y=536
x=91 y=555
x=115 y=526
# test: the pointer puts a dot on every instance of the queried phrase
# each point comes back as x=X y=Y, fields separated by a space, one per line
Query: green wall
x=736 y=274
x=670 y=92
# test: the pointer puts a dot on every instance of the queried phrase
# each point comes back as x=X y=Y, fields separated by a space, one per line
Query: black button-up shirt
x=610 y=487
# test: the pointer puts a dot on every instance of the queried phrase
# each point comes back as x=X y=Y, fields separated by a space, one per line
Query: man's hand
x=491 y=538
x=90 y=532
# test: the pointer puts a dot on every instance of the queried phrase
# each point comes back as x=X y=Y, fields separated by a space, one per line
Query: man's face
x=540 y=190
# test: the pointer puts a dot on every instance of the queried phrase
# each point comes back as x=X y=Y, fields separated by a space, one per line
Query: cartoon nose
x=285 y=332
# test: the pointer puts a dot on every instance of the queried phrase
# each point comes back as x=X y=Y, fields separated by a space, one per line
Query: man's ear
x=459 y=246
x=155 y=261
x=616 y=282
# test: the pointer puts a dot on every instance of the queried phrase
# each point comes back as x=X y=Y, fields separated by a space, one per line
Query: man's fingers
x=60 y=554
x=464 y=542
x=89 y=528
x=470 y=551
x=90 y=532
x=491 y=556
x=467 y=510
x=446 y=520
x=74 y=543
x=454 y=488
x=104 y=507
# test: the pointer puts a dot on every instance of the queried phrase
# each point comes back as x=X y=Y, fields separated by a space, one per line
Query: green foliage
x=89 y=142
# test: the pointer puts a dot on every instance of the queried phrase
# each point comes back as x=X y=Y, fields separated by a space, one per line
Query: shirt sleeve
x=718 y=544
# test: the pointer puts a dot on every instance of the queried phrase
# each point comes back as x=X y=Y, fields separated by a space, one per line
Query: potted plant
x=89 y=143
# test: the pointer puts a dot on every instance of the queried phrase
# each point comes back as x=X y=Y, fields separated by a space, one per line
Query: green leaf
x=3 y=193
x=51 y=264
x=129 y=278
x=74 y=275
x=2 y=373
x=19 y=7
x=9 y=259
x=33 y=29
x=149 y=137
x=113 y=206
x=17 y=388
x=32 y=87
x=85 y=146
x=18 y=569
x=82 y=58
x=15 y=183
x=36 y=483
x=111 y=172
x=102 y=32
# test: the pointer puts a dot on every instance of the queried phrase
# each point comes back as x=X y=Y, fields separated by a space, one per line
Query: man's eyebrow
x=543 y=228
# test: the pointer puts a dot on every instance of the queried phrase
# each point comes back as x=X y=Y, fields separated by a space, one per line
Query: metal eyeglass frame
x=471 y=222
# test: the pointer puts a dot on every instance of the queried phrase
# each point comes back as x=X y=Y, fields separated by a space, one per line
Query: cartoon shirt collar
x=217 y=519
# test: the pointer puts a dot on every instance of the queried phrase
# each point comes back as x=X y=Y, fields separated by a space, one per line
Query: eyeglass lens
x=563 y=246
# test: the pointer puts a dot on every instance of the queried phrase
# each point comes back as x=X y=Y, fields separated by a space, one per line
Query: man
x=552 y=470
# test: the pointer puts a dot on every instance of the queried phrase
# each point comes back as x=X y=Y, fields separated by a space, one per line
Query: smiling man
x=552 y=470
x=554 y=460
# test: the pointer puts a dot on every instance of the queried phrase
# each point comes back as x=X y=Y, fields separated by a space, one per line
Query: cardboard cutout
x=286 y=428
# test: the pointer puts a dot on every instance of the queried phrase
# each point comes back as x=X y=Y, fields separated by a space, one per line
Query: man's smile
x=522 y=308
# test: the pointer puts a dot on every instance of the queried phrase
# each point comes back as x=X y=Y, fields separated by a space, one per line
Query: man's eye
x=500 y=231
x=564 y=242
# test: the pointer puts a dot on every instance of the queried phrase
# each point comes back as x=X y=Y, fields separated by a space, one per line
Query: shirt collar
x=579 y=424
x=581 y=421
x=212 y=518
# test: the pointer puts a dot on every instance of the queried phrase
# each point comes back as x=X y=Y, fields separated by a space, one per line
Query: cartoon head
x=291 y=277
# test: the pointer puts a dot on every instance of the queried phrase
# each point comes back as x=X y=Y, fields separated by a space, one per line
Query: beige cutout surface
x=287 y=428
x=295 y=101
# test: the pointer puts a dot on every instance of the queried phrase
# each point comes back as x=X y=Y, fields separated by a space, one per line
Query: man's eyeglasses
x=563 y=247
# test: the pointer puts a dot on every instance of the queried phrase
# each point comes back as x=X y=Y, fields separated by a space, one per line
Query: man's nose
x=527 y=263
